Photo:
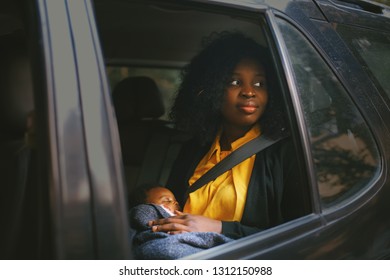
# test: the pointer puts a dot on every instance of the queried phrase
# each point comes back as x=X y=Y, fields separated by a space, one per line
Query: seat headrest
x=137 y=98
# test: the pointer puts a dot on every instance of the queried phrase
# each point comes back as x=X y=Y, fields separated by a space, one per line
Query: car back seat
x=149 y=145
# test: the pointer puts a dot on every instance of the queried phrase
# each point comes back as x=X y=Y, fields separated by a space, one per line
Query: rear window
x=372 y=48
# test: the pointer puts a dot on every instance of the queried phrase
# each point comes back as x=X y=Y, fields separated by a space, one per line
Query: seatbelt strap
x=247 y=150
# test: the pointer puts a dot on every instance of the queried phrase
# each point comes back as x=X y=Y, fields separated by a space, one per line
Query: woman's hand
x=183 y=222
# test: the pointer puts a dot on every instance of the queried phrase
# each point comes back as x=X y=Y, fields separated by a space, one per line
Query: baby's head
x=156 y=194
x=162 y=196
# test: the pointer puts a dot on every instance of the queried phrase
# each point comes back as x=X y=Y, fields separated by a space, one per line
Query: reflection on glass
x=344 y=153
x=372 y=48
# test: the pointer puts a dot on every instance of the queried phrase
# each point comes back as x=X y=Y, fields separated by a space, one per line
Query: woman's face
x=246 y=95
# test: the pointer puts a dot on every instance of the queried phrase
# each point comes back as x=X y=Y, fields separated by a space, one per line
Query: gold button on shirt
x=224 y=198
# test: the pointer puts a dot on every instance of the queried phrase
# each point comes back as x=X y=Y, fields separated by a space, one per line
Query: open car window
x=144 y=64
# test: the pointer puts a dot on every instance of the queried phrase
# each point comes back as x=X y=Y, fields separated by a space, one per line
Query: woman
x=227 y=98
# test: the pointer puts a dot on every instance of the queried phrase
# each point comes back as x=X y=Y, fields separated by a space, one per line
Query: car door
x=83 y=161
x=82 y=158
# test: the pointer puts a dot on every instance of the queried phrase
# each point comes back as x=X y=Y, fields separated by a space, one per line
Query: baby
x=155 y=194
x=151 y=202
x=164 y=197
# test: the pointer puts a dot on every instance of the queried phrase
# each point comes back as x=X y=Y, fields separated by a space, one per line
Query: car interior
x=150 y=36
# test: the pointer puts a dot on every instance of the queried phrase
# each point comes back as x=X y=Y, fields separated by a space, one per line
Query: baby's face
x=162 y=196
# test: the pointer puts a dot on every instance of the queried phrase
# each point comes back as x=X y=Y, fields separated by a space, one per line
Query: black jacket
x=275 y=194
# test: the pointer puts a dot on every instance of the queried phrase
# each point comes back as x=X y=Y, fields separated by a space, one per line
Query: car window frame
x=83 y=219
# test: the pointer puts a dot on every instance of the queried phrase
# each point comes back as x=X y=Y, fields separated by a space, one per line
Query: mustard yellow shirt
x=224 y=198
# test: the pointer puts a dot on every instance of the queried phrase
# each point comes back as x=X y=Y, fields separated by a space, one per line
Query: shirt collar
x=251 y=134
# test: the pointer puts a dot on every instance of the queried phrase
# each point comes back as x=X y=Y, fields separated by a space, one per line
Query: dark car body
x=64 y=189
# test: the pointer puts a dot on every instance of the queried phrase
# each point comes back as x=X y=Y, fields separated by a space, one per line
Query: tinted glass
x=344 y=153
x=373 y=51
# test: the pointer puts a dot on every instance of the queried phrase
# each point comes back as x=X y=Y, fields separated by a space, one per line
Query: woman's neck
x=230 y=134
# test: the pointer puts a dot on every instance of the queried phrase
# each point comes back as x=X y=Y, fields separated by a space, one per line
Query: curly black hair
x=197 y=105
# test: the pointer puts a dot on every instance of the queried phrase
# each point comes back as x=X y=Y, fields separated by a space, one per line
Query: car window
x=372 y=48
x=344 y=153
x=148 y=148
x=150 y=45
x=167 y=80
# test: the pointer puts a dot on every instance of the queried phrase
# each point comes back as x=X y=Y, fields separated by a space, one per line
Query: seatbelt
x=247 y=150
